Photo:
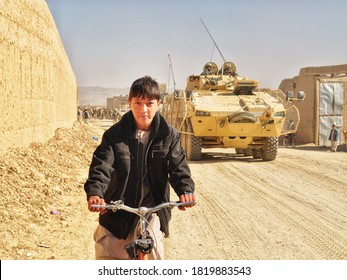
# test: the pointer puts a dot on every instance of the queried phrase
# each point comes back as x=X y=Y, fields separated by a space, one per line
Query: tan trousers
x=334 y=146
x=109 y=247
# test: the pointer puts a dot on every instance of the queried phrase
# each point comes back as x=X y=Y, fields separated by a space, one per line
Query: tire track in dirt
x=229 y=240
x=221 y=223
x=290 y=208
x=325 y=242
x=318 y=172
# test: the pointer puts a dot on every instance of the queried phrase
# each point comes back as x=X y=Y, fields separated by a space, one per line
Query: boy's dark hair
x=144 y=87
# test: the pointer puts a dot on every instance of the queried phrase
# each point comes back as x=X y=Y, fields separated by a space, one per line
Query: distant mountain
x=97 y=96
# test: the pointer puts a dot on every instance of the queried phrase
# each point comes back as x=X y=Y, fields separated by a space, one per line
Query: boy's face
x=144 y=110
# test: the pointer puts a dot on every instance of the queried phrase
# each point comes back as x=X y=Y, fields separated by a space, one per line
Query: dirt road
x=292 y=208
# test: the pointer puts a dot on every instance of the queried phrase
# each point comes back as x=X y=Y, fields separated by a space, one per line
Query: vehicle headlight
x=202 y=114
x=280 y=114
x=257 y=113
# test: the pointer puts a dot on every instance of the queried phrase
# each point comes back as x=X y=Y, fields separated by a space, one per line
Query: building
x=116 y=102
x=325 y=90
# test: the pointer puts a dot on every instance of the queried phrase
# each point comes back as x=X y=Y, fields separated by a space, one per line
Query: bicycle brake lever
x=117 y=202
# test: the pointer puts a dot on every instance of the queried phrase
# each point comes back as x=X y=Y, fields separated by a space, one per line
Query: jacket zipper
x=146 y=158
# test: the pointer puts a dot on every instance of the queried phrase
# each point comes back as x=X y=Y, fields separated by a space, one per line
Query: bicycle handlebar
x=141 y=211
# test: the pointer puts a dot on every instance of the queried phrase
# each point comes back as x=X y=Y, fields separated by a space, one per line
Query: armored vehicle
x=219 y=109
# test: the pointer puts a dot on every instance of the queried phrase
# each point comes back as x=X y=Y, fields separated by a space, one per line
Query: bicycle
x=144 y=243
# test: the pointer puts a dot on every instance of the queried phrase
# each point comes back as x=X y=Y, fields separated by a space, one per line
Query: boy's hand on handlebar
x=187 y=197
x=98 y=201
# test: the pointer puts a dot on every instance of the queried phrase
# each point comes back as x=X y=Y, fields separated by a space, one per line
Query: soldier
x=208 y=69
x=86 y=116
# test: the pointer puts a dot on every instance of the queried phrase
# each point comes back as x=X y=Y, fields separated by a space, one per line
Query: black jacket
x=333 y=135
x=114 y=173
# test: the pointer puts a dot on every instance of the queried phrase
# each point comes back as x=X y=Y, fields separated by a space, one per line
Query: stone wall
x=38 y=89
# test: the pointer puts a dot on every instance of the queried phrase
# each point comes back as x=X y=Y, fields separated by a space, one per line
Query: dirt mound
x=39 y=188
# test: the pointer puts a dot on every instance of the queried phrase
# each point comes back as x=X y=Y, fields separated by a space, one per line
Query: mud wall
x=308 y=81
x=38 y=89
x=306 y=128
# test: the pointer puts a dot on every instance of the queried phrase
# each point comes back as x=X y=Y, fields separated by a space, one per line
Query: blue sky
x=110 y=43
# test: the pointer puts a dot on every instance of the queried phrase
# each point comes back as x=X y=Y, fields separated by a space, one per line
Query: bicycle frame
x=144 y=242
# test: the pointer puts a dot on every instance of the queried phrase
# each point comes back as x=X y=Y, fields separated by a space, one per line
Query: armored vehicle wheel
x=256 y=153
x=191 y=144
x=247 y=152
x=193 y=149
x=269 y=152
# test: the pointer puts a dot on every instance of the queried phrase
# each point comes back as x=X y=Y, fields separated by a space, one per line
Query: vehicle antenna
x=213 y=40
x=212 y=53
x=171 y=71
